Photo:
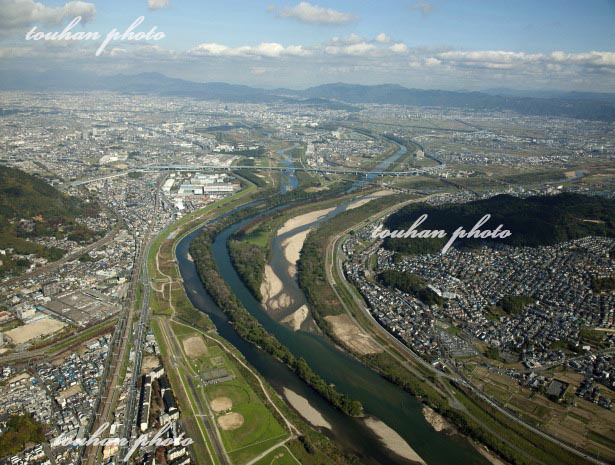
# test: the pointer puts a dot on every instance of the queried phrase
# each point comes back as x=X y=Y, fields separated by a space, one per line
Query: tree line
x=248 y=327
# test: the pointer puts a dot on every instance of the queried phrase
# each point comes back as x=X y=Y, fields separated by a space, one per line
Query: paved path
x=456 y=377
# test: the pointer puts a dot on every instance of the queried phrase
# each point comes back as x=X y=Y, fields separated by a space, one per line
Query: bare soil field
x=351 y=335
x=71 y=391
x=195 y=346
x=34 y=330
x=149 y=363
x=221 y=404
x=230 y=421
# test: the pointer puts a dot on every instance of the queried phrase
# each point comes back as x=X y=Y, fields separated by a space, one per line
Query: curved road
x=459 y=378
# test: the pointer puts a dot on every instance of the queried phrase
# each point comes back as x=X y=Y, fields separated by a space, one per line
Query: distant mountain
x=581 y=105
x=143 y=83
x=589 y=106
x=506 y=92
x=597 y=96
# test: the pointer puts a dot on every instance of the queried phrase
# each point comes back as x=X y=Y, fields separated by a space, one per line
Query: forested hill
x=533 y=221
x=30 y=209
x=25 y=196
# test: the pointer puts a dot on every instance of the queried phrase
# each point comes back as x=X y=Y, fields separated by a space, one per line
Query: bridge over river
x=195 y=168
x=322 y=170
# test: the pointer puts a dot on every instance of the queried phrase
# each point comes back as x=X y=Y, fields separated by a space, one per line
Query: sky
x=443 y=44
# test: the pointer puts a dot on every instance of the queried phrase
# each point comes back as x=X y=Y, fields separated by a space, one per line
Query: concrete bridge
x=288 y=169
x=285 y=169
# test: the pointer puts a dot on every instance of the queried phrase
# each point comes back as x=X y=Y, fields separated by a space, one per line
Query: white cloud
x=383 y=38
x=499 y=58
x=349 y=39
x=491 y=56
x=423 y=6
x=14 y=52
x=258 y=70
x=549 y=65
x=399 y=48
x=356 y=46
x=308 y=13
x=351 y=57
x=267 y=49
x=589 y=58
x=20 y=14
x=357 y=49
x=158 y=4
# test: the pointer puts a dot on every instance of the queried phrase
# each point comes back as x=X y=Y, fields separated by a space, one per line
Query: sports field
x=246 y=425
x=29 y=331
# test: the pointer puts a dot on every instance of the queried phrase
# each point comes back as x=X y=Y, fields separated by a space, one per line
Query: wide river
x=380 y=398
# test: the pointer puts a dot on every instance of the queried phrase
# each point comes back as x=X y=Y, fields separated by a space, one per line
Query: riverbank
x=393 y=441
x=309 y=413
x=439 y=424
x=437 y=421
x=275 y=299
x=246 y=324
x=302 y=220
x=471 y=415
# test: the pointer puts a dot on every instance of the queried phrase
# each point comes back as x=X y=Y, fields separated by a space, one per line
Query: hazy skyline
x=476 y=44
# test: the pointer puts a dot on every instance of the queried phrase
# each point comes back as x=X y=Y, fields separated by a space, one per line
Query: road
x=292 y=429
x=67 y=258
x=141 y=328
x=414 y=172
x=121 y=336
x=457 y=376
x=47 y=352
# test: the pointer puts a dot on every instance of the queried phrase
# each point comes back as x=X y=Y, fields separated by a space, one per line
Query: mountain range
x=580 y=105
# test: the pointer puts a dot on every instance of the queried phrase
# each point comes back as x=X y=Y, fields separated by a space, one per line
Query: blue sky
x=471 y=44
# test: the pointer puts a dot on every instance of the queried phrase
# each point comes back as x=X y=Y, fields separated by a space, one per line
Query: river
x=380 y=398
x=290 y=180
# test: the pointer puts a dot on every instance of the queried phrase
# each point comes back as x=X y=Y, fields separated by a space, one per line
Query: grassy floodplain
x=174 y=317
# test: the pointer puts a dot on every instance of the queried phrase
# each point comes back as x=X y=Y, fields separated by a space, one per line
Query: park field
x=280 y=456
x=247 y=427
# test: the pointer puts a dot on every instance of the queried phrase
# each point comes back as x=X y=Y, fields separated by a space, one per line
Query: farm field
x=573 y=420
